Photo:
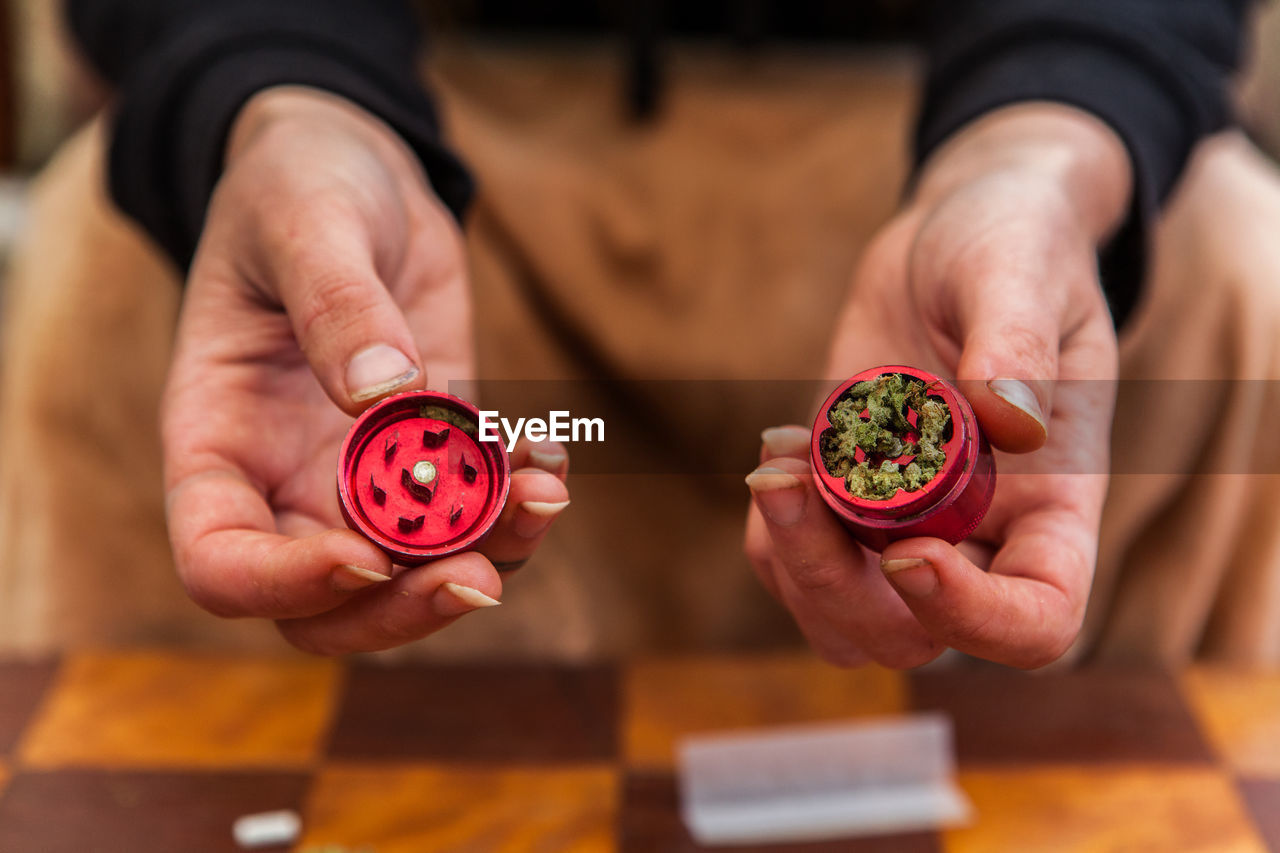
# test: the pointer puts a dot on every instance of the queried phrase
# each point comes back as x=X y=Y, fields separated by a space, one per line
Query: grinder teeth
x=434 y=438
x=420 y=492
x=409 y=525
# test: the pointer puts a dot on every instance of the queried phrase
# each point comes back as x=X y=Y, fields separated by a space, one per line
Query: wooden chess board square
x=162 y=710
x=1188 y=809
x=1240 y=713
x=147 y=752
x=508 y=713
x=73 y=811
x=670 y=699
x=21 y=687
x=463 y=809
x=651 y=822
x=1098 y=715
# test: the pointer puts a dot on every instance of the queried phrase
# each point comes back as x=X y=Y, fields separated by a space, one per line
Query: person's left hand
x=988 y=275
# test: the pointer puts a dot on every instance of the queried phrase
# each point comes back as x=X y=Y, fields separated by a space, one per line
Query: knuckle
x=388 y=632
x=275 y=597
x=334 y=302
x=813 y=577
x=965 y=631
x=1029 y=346
x=286 y=236
x=198 y=581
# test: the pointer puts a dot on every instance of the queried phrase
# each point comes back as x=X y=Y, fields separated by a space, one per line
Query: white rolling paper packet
x=807 y=783
x=268 y=829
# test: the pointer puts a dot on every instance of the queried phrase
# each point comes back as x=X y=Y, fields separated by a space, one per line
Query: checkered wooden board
x=143 y=752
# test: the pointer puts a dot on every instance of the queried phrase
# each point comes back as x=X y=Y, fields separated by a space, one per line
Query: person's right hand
x=327 y=277
x=989 y=275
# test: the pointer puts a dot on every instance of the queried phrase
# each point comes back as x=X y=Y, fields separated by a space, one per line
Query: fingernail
x=1019 y=395
x=548 y=459
x=780 y=496
x=533 y=517
x=374 y=371
x=913 y=576
x=454 y=599
x=786 y=441
x=351 y=578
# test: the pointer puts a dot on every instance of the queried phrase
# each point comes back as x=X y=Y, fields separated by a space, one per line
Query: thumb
x=351 y=330
x=1009 y=362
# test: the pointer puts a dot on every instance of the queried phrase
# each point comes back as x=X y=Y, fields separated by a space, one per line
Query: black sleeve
x=183 y=69
x=1155 y=70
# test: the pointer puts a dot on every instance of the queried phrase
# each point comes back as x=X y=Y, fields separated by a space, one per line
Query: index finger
x=827 y=580
x=233 y=562
x=1024 y=612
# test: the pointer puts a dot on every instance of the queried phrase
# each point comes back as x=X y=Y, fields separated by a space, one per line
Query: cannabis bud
x=897 y=453
x=888 y=436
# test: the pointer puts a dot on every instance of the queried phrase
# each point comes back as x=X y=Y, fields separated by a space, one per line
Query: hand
x=328 y=276
x=989 y=275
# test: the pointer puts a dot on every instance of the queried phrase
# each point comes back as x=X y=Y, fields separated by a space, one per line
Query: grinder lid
x=414 y=478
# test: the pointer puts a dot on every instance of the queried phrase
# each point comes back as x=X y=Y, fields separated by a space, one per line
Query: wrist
x=1054 y=144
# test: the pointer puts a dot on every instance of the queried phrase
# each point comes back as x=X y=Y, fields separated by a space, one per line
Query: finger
x=839 y=598
x=1025 y=612
x=351 y=330
x=1006 y=370
x=1011 y=337
x=775 y=442
x=550 y=456
x=536 y=499
x=416 y=603
x=790 y=440
x=233 y=563
x=759 y=550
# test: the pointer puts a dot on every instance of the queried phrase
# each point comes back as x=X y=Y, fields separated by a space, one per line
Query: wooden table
x=152 y=751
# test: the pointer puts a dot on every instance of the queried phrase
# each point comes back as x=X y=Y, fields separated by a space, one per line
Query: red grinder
x=948 y=505
x=414 y=478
